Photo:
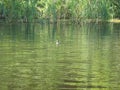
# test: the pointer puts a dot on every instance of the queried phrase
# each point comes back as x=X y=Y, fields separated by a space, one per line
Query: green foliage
x=116 y=6
x=77 y=9
x=98 y=9
x=13 y=10
x=28 y=10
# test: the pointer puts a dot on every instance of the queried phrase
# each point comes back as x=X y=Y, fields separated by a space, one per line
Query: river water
x=60 y=56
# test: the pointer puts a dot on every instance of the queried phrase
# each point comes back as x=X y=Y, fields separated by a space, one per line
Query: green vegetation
x=116 y=4
x=30 y=10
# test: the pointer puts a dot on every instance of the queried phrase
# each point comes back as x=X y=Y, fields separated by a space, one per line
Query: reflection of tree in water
x=99 y=67
x=10 y=31
x=56 y=32
x=114 y=63
x=88 y=59
x=18 y=32
x=61 y=32
x=104 y=57
x=29 y=31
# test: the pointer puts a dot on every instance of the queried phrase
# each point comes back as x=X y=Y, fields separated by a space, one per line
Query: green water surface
x=60 y=56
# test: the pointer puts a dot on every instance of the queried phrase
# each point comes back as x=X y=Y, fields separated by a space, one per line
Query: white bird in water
x=57 y=42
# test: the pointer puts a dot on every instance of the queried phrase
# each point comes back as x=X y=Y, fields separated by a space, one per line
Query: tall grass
x=83 y=9
x=99 y=9
x=29 y=10
x=14 y=10
x=116 y=7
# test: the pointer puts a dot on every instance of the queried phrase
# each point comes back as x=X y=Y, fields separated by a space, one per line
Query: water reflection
x=87 y=58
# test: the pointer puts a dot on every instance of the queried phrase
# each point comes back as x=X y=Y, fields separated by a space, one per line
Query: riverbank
x=114 y=20
x=68 y=21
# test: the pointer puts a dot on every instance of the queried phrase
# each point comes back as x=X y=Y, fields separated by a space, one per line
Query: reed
x=75 y=10
x=116 y=8
x=97 y=9
x=82 y=9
